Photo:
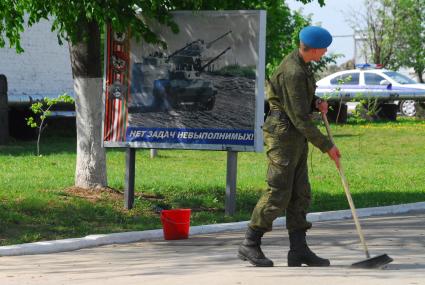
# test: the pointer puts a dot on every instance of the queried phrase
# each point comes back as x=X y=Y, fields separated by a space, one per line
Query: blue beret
x=315 y=37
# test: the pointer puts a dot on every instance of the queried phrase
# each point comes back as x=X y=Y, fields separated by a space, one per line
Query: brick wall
x=43 y=69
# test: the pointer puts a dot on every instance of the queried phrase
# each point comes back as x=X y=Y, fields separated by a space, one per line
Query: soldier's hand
x=322 y=106
x=335 y=155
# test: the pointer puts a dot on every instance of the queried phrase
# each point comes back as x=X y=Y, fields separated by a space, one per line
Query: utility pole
x=360 y=40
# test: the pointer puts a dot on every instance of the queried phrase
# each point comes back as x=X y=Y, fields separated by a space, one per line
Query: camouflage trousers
x=288 y=186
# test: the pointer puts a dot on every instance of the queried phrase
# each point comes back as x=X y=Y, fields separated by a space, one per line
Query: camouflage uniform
x=286 y=131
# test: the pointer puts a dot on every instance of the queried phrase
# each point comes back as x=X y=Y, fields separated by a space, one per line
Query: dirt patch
x=117 y=196
x=106 y=193
x=206 y=209
x=95 y=194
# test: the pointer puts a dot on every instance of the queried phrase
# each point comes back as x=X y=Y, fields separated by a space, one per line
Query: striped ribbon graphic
x=117 y=91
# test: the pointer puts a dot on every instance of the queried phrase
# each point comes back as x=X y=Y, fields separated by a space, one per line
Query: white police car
x=369 y=81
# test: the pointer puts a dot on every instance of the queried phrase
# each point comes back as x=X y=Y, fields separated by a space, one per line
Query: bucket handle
x=173 y=222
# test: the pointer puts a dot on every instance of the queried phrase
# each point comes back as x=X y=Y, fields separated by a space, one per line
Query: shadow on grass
x=405 y=121
x=37 y=218
x=58 y=137
x=325 y=202
x=345 y=135
x=49 y=145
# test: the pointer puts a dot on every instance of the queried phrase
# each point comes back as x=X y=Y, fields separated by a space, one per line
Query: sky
x=333 y=17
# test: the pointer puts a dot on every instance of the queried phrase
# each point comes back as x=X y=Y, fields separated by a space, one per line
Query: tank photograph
x=207 y=71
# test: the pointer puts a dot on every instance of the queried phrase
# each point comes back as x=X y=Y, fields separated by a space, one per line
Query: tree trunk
x=419 y=74
x=86 y=69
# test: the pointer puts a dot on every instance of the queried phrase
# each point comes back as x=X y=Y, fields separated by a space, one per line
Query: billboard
x=205 y=90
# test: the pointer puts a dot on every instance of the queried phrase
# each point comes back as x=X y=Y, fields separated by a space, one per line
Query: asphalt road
x=211 y=259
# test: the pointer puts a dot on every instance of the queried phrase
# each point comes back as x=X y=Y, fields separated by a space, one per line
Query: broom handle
x=347 y=192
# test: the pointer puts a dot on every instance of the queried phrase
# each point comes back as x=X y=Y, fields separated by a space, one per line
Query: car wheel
x=407 y=108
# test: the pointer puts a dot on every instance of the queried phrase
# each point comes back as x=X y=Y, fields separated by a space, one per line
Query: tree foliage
x=394 y=33
x=70 y=16
x=410 y=52
x=382 y=29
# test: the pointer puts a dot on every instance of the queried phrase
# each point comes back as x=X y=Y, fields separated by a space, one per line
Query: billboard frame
x=256 y=146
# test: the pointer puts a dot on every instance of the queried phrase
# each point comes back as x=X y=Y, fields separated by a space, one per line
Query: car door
x=373 y=84
x=347 y=84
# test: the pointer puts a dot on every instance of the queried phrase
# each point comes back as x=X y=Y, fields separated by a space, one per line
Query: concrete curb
x=44 y=247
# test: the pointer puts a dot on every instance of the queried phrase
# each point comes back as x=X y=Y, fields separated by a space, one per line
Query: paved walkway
x=211 y=259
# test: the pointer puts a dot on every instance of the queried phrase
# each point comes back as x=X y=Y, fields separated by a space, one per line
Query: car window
x=346 y=79
x=372 y=78
x=400 y=78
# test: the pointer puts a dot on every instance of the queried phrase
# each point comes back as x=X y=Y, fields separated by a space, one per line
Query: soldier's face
x=318 y=53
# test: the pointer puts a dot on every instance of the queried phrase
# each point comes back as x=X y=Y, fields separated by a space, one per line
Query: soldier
x=287 y=130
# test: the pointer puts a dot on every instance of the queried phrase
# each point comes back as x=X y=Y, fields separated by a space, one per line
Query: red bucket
x=175 y=223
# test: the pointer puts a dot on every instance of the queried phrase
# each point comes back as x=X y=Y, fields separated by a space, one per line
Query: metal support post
x=4 y=112
x=130 y=167
x=230 y=201
x=154 y=152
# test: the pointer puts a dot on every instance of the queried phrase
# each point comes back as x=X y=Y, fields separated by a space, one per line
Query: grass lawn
x=384 y=164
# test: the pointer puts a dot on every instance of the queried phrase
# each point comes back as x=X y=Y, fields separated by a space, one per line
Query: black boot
x=299 y=252
x=250 y=249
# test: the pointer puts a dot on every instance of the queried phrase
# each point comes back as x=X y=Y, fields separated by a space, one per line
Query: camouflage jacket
x=291 y=92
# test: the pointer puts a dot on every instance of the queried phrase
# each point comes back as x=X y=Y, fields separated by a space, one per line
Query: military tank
x=183 y=87
x=175 y=81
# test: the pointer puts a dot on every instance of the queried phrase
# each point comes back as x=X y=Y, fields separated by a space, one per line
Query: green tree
x=379 y=29
x=80 y=22
x=394 y=33
x=410 y=15
x=41 y=111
